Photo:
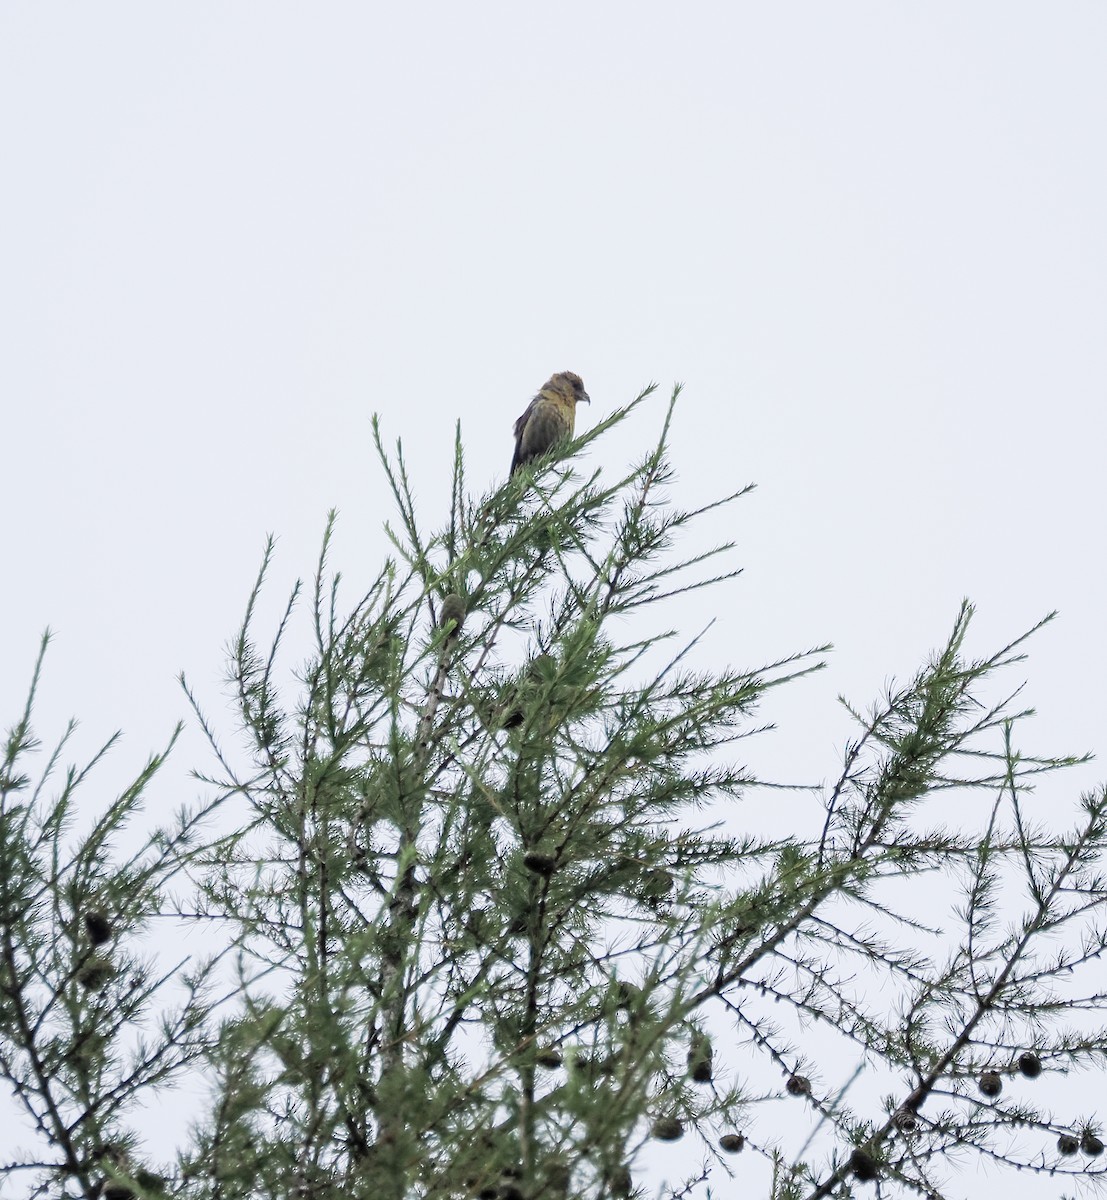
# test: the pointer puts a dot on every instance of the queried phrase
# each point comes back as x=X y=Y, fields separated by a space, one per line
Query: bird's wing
x=521 y=423
x=519 y=456
x=548 y=422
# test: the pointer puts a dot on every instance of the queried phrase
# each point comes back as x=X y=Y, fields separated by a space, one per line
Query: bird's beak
x=585 y=397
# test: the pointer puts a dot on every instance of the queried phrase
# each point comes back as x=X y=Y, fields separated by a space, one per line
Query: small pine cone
x=629 y=996
x=550 y=1058
x=513 y=717
x=1067 y=1144
x=732 y=1143
x=620 y=1181
x=905 y=1120
x=990 y=1084
x=1030 y=1065
x=94 y=974
x=595 y=1066
x=863 y=1166
x=98 y=927
x=798 y=1085
x=453 y=610
x=701 y=1072
x=700 y=1054
x=540 y=864
x=1090 y=1144
x=558 y=1176
x=668 y=1129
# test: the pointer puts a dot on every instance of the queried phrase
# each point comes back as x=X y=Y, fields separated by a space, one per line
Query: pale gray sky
x=868 y=237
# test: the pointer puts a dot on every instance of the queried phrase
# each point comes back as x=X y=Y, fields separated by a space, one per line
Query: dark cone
x=905 y=1120
x=668 y=1129
x=1030 y=1065
x=732 y=1143
x=98 y=927
x=620 y=1180
x=513 y=718
x=1090 y=1144
x=701 y=1072
x=558 y=1176
x=550 y=1058
x=700 y=1054
x=540 y=864
x=94 y=975
x=863 y=1166
x=990 y=1084
x=593 y=1066
x=629 y=995
x=1067 y=1144
x=798 y=1085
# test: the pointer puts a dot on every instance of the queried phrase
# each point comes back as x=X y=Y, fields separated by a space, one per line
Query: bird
x=549 y=417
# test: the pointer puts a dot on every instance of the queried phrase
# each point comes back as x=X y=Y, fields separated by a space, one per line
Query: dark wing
x=517 y=459
x=543 y=425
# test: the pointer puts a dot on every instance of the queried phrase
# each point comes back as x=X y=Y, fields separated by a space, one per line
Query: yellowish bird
x=549 y=417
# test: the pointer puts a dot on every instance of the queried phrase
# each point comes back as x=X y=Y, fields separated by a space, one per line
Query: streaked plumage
x=549 y=417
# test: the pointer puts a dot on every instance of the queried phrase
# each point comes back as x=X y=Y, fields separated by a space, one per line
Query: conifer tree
x=485 y=917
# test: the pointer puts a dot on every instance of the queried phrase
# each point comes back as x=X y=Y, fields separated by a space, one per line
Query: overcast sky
x=869 y=238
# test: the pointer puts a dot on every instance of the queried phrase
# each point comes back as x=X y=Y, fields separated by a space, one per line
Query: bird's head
x=569 y=385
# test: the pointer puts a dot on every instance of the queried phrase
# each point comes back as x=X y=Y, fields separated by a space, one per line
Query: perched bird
x=549 y=417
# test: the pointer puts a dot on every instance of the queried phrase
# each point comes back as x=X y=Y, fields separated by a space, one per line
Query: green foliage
x=75 y=991
x=483 y=934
